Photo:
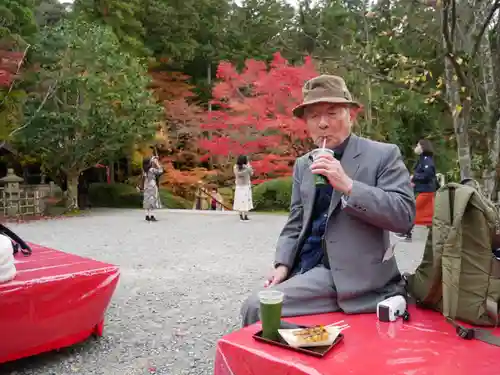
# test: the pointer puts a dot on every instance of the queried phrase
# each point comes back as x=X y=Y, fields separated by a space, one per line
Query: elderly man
x=334 y=252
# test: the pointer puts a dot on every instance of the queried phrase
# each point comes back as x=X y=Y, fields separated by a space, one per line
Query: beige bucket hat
x=324 y=89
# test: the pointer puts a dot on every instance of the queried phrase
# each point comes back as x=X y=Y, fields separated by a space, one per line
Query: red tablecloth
x=426 y=345
x=56 y=300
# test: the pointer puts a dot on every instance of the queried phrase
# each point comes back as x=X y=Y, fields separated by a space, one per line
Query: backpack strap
x=441 y=227
x=458 y=199
x=480 y=334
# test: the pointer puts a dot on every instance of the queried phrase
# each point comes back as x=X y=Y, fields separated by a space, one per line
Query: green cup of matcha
x=320 y=179
x=271 y=302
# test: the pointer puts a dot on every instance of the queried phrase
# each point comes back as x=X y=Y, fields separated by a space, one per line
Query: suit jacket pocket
x=389 y=253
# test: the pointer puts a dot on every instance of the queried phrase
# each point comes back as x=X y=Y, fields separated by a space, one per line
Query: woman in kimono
x=151 y=169
x=243 y=201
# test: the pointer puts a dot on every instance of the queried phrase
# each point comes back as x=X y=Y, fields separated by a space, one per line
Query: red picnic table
x=425 y=345
x=56 y=300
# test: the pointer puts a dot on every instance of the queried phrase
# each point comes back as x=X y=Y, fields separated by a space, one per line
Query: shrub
x=126 y=196
x=227 y=194
x=173 y=201
x=273 y=195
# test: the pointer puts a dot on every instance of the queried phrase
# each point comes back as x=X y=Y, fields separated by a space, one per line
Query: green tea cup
x=271 y=302
x=318 y=178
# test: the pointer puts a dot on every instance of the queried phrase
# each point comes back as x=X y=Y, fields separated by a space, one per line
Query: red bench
x=56 y=300
x=426 y=345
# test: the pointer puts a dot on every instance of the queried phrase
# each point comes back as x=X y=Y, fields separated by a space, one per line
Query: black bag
x=17 y=243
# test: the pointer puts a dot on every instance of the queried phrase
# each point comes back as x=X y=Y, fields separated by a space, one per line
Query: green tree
x=387 y=52
x=97 y=106
x=124 y=17
x=254 y=30
x=17 y=20
x=49 y=12
x=170 y=27
x=17 y=26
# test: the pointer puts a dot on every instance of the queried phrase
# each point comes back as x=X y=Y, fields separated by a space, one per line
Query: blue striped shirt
x=312 y=253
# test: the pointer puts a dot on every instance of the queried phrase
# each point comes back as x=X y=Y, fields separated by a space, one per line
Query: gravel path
x=182 y=282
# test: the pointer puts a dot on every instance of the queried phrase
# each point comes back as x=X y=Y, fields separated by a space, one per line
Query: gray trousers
x=309 y=293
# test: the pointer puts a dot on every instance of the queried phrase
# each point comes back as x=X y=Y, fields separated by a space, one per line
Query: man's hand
x=331 y=168
x=278 y=276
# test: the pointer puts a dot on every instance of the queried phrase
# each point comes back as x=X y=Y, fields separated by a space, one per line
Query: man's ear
x=353 y=113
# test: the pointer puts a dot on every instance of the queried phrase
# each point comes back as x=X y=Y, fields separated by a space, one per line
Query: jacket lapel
x=350 y=164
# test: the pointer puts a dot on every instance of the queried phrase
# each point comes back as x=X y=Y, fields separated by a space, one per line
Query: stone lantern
x=11 y=192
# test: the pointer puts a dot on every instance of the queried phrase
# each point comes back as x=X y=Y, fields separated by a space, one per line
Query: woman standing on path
x=243 y=201
x=425 y=184
x=151 y=168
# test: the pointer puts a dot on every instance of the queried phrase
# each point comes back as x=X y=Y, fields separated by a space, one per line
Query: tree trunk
x=460 y=110
x=72 y=192
x=493 y=133
x=129 y=167
x=209 y=83
x=461 y=117
x=495 y=49
x=112 y=172
x=368 y=51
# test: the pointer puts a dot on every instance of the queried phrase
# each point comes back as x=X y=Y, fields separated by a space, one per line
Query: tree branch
x=450 y=52
x=484 y=26
x=453 y=20
x=354 y=64
x=50 y=90
x=471 y=24
x=445 y=29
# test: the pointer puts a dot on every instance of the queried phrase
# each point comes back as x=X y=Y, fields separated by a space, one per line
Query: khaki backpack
x=458 y=275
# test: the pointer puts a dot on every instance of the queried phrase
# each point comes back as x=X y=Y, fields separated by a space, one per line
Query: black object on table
x=316 y=351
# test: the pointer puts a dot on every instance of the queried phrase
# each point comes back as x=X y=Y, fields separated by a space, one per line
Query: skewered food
x=312 y=334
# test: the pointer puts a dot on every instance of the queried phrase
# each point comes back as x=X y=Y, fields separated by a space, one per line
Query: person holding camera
x=243 y=201
x=151 y=170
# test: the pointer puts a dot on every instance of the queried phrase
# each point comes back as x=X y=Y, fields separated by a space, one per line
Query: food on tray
x=312 y=334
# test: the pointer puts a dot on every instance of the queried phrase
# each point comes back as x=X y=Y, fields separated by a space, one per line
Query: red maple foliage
x=9 y=63
x=182 y=182
x=167 y=84
x=183 y=116
x=255 y=116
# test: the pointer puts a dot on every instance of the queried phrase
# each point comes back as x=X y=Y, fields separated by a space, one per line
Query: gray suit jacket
x=357 y=237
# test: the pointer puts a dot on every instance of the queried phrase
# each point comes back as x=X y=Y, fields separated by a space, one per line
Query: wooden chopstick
x=341 y=327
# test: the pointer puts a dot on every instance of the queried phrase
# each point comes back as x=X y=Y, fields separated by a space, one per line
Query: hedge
x=273 y=195
x=126 y=196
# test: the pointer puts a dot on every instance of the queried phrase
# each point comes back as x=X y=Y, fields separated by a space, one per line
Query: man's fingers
x=321 y=171
x=275 y=281
x=321 y=164
x=326 y=156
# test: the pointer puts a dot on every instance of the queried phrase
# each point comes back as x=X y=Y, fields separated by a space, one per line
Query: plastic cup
x=271 y=302
x=318 y=178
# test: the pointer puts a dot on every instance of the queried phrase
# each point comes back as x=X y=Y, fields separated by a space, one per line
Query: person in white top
x=243 y=201
x=7 y=267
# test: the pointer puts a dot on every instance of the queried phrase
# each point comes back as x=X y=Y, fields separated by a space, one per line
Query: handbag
x=18 y=243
